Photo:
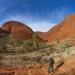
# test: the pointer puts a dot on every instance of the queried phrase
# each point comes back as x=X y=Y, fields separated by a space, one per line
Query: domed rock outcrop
x=18 y=30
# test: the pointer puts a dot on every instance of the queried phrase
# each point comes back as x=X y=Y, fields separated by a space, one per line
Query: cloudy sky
x=40 y=15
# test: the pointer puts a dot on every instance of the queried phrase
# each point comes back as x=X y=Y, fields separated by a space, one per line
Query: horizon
x=40 y=15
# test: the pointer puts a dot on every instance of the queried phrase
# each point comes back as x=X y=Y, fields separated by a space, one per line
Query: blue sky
x=40 y=15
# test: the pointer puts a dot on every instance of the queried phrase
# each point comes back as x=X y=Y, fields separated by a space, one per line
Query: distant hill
x=63 y=30
x=3 y=33
x=18 y=30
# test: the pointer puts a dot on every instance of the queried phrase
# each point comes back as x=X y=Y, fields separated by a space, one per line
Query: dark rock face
x=3 y=33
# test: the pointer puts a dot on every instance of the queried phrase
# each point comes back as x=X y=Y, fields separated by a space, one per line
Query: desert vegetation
x=20 y=46
x=31 y=52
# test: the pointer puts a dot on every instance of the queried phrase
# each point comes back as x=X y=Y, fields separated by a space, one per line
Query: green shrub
x=33 y=44
x=3 y=44
x=16 y=42
x=35 y=41
x=28 y=45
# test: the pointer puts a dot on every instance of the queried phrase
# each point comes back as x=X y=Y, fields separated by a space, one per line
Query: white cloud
x=41 y=26
x=36 y=26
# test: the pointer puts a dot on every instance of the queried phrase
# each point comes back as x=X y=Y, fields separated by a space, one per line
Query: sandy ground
x=66 y=68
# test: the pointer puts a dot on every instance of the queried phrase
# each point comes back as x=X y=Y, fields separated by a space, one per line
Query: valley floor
x=68 y=68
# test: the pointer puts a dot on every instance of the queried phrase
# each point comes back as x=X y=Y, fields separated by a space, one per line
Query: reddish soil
x=68 y=68
x=18 y=30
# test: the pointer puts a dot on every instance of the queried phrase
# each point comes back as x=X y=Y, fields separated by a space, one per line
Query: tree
x=35 y=41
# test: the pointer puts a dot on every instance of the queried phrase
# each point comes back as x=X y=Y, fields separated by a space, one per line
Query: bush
x=33 y=44
x=35 y=41
x=19 y=42
x=16 y=42
x=3 y=43
x=28 y=45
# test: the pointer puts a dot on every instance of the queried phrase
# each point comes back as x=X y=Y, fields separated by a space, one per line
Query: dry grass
x=18 y=55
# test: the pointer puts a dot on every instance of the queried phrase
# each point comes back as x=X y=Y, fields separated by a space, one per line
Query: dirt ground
x=66 y=68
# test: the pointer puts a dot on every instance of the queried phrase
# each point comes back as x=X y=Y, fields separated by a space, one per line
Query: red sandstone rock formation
x=63 y=30
x=18 y=30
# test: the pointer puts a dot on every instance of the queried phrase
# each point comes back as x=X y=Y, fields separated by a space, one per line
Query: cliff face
x=63 y=30
x=18 y=30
